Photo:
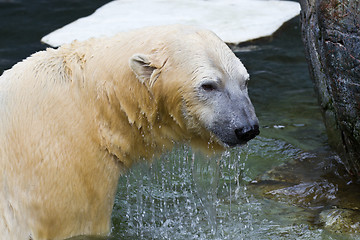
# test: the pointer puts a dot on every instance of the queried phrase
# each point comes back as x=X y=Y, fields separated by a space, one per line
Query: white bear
x=73 y=119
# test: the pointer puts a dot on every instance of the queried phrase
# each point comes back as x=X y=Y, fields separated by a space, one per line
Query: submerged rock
x=341 y=220
x=319 y=184
x=331 y=35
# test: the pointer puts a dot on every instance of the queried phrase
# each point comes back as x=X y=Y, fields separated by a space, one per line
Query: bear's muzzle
x=245 y=134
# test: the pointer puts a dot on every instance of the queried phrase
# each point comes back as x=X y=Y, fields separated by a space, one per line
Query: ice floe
x=234 y=21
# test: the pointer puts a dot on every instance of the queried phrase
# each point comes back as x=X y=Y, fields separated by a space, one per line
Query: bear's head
x=202 y=84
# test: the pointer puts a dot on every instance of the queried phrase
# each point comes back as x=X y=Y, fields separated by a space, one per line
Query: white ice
x=234 y=21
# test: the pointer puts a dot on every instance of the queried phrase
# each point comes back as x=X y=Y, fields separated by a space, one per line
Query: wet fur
x=73 y=119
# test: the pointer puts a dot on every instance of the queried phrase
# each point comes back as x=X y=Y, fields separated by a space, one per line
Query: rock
x=320 y=185
x=330 y=30
x=341 y=220
x=310 y=181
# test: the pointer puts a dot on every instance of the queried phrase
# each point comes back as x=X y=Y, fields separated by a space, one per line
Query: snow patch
x=234 y=21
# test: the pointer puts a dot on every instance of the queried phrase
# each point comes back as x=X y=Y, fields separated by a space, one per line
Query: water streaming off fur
x=186 y=195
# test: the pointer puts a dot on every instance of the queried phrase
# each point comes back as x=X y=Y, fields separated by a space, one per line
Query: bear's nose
x=245 y=134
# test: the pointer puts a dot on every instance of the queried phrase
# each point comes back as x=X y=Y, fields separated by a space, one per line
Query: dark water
x=23 y=23
x=184 y=195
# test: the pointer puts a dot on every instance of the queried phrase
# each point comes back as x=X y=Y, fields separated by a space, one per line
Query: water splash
x=186 y=195
x=205 y=172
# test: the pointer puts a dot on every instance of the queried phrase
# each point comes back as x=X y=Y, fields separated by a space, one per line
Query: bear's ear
x=145 y=70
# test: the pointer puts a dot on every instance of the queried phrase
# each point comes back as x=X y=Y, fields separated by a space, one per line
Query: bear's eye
x=244 y=86
x=209 y=86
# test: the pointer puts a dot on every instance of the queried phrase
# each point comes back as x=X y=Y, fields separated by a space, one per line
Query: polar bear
x=73 y=119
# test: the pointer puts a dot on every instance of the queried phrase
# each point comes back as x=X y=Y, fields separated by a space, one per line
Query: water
x=188 y=196
x=185 y=195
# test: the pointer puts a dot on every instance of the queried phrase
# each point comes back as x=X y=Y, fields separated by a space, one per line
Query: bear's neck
x=133 y=124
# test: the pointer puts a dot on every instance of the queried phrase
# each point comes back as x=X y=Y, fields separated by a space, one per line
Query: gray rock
x=321 y=186
x=331 y=33
x=341 y=220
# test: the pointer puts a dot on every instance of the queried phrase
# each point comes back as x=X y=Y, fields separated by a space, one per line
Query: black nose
x=246 y=134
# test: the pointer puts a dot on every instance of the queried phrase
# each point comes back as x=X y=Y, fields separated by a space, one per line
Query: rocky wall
x=331 y=35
